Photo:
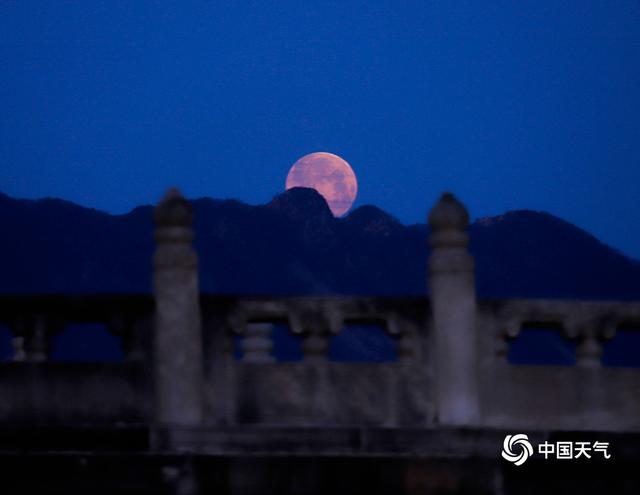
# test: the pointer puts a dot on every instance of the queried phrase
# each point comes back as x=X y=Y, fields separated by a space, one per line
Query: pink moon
x=328 y=174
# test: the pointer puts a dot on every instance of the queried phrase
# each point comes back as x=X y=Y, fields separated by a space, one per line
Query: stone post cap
x=448 y=214
x=173 y=210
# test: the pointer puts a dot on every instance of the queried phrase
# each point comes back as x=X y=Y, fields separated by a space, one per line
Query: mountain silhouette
x=293 y=245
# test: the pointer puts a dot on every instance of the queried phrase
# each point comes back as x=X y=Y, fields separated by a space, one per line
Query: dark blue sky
x=509 y=104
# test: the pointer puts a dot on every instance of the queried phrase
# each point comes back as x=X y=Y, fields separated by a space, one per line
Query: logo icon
x=519 y=442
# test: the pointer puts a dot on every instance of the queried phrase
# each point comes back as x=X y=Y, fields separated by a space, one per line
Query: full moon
x=328 y=174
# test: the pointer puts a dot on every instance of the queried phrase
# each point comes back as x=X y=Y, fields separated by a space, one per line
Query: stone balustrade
x=40 y=389
x=198 y=362
x=258 y=390
x=586 y=395
x=34 y=321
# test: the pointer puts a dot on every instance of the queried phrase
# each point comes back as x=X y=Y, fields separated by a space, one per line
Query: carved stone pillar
x=589 y=351
x=177 y=336
x=32 y=341
x=257 y=343
x=132 y=331
x=453 y=304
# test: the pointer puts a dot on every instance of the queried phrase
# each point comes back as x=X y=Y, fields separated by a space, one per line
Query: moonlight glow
x=328 y=174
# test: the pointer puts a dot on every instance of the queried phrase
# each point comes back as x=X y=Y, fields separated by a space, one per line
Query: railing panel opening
x=6 y=344
x=87 y=342
x=541 y=344
x=287 y=347
x=363 y=341
x=623 y=351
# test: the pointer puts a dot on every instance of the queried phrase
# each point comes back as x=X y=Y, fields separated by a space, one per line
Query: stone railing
x=36 y=388
x=452 y=368
x=314 y=390
x=583 y=396
x=181 y=372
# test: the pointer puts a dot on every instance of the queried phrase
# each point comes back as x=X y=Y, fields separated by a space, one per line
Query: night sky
x=510 y=105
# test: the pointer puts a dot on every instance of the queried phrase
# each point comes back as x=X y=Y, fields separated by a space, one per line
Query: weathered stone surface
x=177 y=336
x=453 y=303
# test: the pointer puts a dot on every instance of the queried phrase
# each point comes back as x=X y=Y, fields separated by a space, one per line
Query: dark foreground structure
x=200 y=405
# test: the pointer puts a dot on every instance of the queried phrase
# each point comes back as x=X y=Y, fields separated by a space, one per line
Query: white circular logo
x=521 y=443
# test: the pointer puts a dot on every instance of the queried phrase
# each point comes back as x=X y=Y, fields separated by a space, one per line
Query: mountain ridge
x=293 y=245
